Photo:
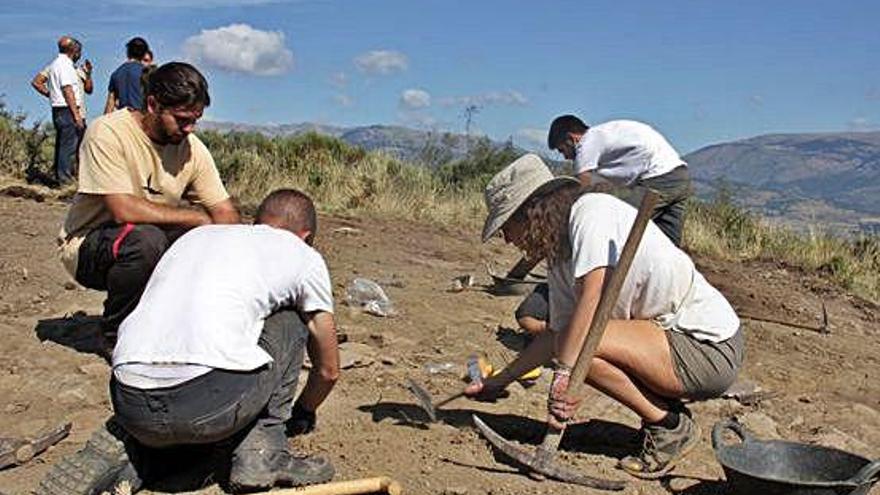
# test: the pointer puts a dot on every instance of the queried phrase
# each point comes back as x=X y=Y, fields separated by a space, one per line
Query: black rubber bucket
x=776 y=467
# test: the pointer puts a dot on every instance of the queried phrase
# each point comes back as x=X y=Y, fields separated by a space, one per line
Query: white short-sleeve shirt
x=662 y=284
x=206 y=301
x=63 y=73
x=624 y=151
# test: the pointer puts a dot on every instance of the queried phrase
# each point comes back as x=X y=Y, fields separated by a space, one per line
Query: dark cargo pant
x=119 y=259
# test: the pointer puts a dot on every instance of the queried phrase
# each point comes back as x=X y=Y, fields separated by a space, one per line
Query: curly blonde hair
x=546 y=221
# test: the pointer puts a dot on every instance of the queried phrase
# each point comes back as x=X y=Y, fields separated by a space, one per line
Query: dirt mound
x=819 y=387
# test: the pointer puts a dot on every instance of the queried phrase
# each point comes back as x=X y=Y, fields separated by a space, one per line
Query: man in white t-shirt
x=68 y=116
x=629 y=154
x=213 y=350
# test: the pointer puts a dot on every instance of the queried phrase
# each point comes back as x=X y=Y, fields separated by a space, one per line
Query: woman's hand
x=488 y=389
x=561 y=407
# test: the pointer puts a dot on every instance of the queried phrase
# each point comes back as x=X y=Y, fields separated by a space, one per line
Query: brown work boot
x=662 y=448
x=263 y=469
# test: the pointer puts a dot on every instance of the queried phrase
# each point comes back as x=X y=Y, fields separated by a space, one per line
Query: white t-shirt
x=63 y=73
x=662 y=284
x=206 y=301
x=623 y=151
x=81 y=78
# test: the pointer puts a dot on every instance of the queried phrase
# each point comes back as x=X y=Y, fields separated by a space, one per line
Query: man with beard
x=136 y=167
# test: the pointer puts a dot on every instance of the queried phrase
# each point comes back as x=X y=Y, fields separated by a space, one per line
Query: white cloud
x=343 y=100
x=756 y=101
x=240 y=48
x=509 y=97
x=381 y=62
x=415 y=98
x=533 y=136
x=861 y=124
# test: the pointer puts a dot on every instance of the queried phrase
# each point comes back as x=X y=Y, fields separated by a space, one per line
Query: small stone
x=24 y=273
x=70 y=285
x=389 y=361
x=93 y=369
x=796 y=422
x=761 y=425
x=455 y=490
x=72 y=396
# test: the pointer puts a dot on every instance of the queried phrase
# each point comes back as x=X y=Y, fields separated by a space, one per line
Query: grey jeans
x=674 y=189
x=221 y=403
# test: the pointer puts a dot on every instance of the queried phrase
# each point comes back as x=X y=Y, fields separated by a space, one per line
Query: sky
x=700 y=71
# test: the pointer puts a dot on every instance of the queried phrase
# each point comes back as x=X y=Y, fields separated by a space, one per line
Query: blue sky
x=700 y=71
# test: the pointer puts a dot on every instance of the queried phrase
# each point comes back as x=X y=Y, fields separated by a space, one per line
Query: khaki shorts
x=706 y=369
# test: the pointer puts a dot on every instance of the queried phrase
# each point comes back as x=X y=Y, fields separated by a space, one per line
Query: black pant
x=119 y=259
x=674 y=189
x=67 y=138
x=219 y=404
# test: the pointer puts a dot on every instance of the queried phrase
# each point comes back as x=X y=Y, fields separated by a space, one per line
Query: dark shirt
x=125 y=83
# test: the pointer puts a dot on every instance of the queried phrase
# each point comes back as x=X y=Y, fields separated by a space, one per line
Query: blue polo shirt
x=125 y=83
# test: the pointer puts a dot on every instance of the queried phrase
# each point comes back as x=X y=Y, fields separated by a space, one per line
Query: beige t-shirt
x=117 y=157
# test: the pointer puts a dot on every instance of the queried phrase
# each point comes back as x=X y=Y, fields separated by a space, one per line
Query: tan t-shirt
x=117 y=157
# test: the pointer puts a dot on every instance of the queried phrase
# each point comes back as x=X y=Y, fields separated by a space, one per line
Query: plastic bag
x=368 y=295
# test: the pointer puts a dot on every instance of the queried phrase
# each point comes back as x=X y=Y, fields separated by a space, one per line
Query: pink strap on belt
x=126 y=229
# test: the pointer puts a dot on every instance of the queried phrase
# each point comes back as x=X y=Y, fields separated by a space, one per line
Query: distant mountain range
x=827 y=180
x=405 y=143
x=831 y=180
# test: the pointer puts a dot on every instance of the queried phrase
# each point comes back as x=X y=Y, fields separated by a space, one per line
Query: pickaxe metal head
x=424 y=399
x=537 y=463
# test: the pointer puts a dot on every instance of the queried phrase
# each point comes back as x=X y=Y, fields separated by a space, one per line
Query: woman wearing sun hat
x=672 y=335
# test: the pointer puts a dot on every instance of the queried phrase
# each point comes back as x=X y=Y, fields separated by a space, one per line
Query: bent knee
x=145 y=244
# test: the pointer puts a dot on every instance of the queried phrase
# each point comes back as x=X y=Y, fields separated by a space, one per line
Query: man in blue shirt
x=125 y=89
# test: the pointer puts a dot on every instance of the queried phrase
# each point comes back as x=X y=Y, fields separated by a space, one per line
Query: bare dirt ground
x=821 y=388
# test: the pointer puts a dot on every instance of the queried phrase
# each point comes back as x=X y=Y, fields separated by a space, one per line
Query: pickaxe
x=542 y=460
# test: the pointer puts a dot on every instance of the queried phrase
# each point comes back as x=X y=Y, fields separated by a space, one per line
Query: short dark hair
x=178 y=84
x=560 y=128
x=136 y=48
x=289 y=209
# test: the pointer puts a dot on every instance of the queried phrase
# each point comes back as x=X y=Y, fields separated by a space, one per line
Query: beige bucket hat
x=513 y=185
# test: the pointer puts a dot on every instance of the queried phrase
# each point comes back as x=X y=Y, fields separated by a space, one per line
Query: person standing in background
x=65 y=86
x=125 y=90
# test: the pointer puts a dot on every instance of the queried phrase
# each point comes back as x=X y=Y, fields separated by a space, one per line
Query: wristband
x=560 y=367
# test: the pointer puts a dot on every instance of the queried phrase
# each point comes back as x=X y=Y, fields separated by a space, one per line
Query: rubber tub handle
x=728 y=424
x=868 y=474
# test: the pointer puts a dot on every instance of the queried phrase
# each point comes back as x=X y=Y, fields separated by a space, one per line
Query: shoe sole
x=688 y=447
x=98 y=468
x=249 y=482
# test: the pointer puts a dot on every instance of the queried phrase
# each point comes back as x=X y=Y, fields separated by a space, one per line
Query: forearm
x=224 y=213
x=70 y=99
x=324 y=354
x=130 y=209
x=111 y=103
x=39 y=84
x=538 y=353
x=589 y=290
x=317 y=389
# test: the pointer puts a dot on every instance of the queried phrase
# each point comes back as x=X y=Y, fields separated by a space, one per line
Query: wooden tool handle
x=382 y=484
x=610 y=294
